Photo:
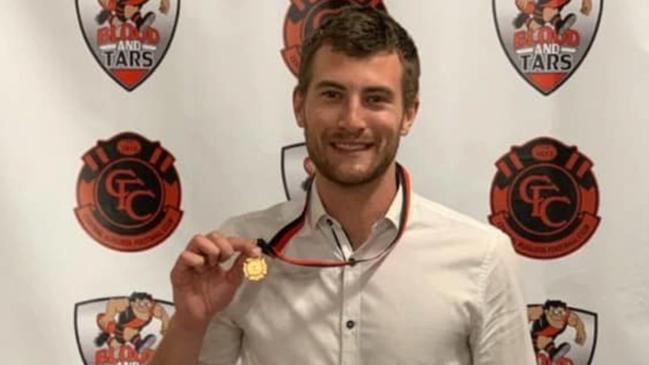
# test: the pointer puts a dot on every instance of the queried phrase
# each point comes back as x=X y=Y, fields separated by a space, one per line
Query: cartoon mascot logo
x=562 y=335
x=305 y=16
x=129 y=38
x=545 y=197
x=121 y=330
x=128 y=193
x=546 y=40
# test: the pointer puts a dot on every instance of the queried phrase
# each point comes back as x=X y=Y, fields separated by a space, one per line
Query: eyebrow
x=329 y=84
x=379 y=90
x=372 y=89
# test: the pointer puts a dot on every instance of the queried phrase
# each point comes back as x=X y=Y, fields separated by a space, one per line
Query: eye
x=376 y=100
x=331 y=94
x=373 y=99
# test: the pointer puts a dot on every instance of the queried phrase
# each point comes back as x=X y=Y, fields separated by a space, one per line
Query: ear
x=409 y=116
x=298 y=107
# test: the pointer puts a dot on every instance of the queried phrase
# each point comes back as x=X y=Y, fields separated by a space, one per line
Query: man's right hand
x=201 y=286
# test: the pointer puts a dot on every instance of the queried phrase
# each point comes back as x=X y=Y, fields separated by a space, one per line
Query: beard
x=384 y=155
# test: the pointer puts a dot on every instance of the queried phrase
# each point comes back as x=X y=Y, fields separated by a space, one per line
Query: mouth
x=351 y=146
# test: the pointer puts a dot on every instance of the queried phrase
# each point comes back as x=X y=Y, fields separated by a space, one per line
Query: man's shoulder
x=458 y=236
x=262 y=223
x=442 y=218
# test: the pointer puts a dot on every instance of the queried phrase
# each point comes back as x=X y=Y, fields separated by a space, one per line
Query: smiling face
x=142 y=307
x=353 y=114
x=556 y=316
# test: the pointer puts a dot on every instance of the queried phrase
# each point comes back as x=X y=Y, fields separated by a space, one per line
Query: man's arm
x=575 y=322
x=534 y=313
x=586 y=6
x=201 y=289
x=164 y=6
x=113 y=307
x=180 y=345
x=160 y=313
x=500 y=334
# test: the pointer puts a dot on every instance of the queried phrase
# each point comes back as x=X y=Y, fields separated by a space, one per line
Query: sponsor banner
x=128 y=193
x=303 y=17
x=546 y=40
x=121 y=329
x=545 y=197
x=297 y=171
x=128 y=38
x=562 y=335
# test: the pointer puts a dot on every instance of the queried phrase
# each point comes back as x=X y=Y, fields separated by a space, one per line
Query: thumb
x=235 y=273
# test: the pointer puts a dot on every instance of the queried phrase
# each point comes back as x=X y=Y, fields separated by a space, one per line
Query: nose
x=352 y=114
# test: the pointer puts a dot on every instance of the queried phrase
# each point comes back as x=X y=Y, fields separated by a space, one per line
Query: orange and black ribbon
x=276 y=246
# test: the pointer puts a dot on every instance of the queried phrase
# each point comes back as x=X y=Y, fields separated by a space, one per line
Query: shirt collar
x=317 y=211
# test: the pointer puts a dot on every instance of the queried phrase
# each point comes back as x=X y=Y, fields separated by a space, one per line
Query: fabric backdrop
x=107 y=171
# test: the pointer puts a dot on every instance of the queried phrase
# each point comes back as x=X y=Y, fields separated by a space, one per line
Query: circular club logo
x=128 y=193
x=545 y=197
x=303 y=17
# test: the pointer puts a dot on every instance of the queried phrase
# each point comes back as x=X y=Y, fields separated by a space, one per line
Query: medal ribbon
x=276 y=246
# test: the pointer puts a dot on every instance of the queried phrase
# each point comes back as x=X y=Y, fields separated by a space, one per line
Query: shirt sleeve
x=501 y=335
x=222 y=342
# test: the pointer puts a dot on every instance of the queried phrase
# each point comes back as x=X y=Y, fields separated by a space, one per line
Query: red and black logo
x=545 y=197
x=128 y=193
x=546 y=40
x=305 y=16
x=129 y=38
x=122 y=329
x=562 y=335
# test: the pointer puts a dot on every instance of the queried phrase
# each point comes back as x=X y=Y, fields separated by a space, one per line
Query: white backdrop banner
x=130 y=125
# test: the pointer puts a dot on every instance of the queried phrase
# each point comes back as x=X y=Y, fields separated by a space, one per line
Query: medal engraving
x=255 y=269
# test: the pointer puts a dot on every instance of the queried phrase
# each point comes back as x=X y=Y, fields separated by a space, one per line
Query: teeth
x=350 y=146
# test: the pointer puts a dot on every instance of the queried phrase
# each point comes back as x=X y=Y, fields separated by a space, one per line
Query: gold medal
x=255 y=269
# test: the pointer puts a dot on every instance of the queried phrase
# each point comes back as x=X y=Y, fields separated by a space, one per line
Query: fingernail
x=256 y=251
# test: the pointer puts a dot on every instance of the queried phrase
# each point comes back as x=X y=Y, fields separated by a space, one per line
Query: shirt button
x=350 y=324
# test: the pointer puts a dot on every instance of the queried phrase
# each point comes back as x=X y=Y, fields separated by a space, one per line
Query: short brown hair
x=361 y=31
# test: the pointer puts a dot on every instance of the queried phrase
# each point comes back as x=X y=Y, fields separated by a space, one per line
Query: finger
x=235 y=273
x=223 y=244
x=206 y=247
x=191 y=260
x=246 y=246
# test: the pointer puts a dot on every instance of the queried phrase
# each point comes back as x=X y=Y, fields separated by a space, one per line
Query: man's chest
x=407 y=308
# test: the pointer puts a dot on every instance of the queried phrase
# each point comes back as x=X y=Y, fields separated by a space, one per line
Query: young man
x=364 y=271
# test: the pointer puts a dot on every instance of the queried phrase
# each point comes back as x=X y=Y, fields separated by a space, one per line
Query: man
x=548 y=322
x=133 y=314
x=535 y=14
x=117 y=12
x=363 y=271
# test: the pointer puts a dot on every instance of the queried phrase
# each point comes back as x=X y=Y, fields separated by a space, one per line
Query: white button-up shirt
x=447 y=293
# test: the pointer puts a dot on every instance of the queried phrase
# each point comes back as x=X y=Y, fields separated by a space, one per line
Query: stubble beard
x=332 y=173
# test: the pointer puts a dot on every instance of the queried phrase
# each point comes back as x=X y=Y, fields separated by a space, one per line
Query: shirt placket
x=350 y=313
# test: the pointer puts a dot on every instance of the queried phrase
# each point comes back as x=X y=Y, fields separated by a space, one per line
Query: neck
x=358 y=207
